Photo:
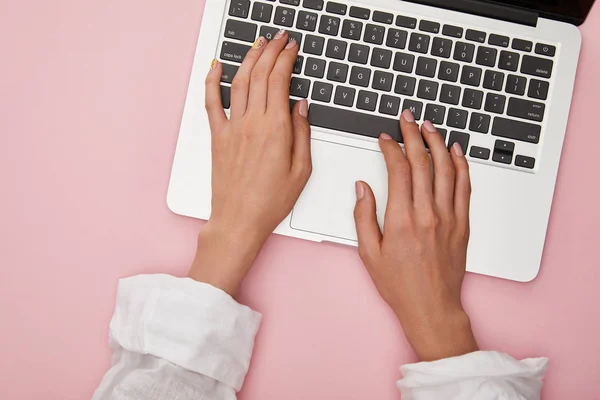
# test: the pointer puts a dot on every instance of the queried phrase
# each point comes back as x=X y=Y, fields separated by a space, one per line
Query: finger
x=399 y=185
x=212 y=97
x=259 y=78
x=443 y=167
x=462 y=187
x=301 y=158
x=241 y=82
x=365 y=218
x=418 y=158
x=279 y=81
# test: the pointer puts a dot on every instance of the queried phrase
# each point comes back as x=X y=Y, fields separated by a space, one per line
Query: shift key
x=234 y=51
x=517 y=130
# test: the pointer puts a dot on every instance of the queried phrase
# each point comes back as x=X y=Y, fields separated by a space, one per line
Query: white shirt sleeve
x=177 y=339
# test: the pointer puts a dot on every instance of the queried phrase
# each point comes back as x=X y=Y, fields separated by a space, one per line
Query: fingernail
x=213 y=64
x=457 y=149
x=279 y=34
x=260 y=42
x=303 y=108
x=290 y=44
x=385 y=136
x=408 y=115
x=360 y=190
x=429 y=127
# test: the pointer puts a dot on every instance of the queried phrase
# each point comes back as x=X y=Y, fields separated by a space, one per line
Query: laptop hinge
x=486 y=9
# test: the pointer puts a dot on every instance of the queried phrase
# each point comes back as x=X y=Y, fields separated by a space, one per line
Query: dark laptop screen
x=574 y=10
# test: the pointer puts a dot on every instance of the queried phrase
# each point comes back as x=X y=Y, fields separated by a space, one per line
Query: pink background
x=91 y=96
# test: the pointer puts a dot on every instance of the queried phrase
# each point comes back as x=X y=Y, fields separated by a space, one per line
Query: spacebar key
x=353 y=122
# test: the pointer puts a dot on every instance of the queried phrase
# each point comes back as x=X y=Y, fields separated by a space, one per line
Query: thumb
x=301 y=151
x=367 y=228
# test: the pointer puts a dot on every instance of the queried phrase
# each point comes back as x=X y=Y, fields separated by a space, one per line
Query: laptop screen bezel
x=574 y=12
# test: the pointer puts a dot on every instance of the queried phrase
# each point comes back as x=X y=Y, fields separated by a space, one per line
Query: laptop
x=495 y=76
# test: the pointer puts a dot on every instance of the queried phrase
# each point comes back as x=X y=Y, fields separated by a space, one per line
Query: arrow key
x=525 y=162
x=480 y=153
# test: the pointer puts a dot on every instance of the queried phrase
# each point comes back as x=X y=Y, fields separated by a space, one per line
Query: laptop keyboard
x=360 y=68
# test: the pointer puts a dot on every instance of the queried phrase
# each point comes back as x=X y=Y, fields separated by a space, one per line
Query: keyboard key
x=419 y=43
x=329 y=25
x=268 y=32
x=381 y=58
x=406 y=22
x=353 y=122
x=538 y=89
x=396 y=38
x=480 y=152
x=360 y=76
x=404 y=62
x=344 y=96
x=504 y=146
x=383 y=17
x=416 y=107
x=352 y=29
x=441 y=47
x=290 y=2
x=314 y=67
x=374 y=34
x=545 y=49
x=359 y=53
x=234 y=51
x=359 y=12
x=457 y=118
x=389 y=105
x=461 y=138
x=382 y=81
x=298 y=65
x=336 y=8
x=516 y=85
x=367 y=100
x=503 y=158
x=464 y=52
x=307 y=21
x=537 y=66
x=428 y=26
x=284 y=16
x=299 y=87
x=453 y=31
x=480 y=123
x=450 y=94
x=405 y=85
x=313 y=4
x=443 y=133
x=525 y=162
x=475 y=36
x=523 y=45
x=471 y=76
x=486 y=56
x=322 y=91
x=297 y=36
x=508 y=61
x=427 y=90
x=337 y=72
x=226 y=96
x=495 y=103
x=517 y=130
x=239 y=8
x=493 y=80
x=448 y=71
x=499 y=40
x=261 y=12
x=228 y=72
x=472 y=99
x=314 y=45
x=526 y=109
x=336 y=49
x=292 y=101
x=426 y=67
x=435 y=114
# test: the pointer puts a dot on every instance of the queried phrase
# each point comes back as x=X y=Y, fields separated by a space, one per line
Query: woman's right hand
x=418 y=262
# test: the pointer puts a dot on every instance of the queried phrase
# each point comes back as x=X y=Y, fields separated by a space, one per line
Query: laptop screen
x=568 y=9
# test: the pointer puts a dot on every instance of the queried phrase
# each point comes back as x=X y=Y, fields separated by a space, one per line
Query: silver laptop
x=497 y=77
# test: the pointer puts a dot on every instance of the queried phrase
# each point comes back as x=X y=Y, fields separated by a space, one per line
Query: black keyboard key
x=298 y=65
x=389 y=105
x=359 y=53
x=322 y=91
x=284 y=16
x=493 y=80
x=448 y=71
x=297 y=36
x=381 y=58
x=352 y=29
x=261 y=12
x=545 y=49
x=329 y=25
x=404 y=62
x=499 y=40
x=234 y=51
x=486 y=56
x=226 y=96
x=313 y=4
x=406 y=22
x=435 y=114
x=374 y=34
x=336 y=49
x=353 y=122
x=525 y=162
x=292 y=101
x=239 y=8
x=480 y=152
x=290 y=2
x=307 y=21
x=416 y=107
x=516 y=85
x=428 y=26
x=405 y=85
x=457 y=118
x=314 y=67
x=453 y=31
x=523 y=45
x=299 y=87
x=517 y=130
x=464 y=52
x=472 y=99
x=360 y=76
x=314 y=45
x=471 y=76
x=427 y=90
x=228 y=72
x=268 y=32
x=382 y=81
x=419 y=43
x=475 y=36
x=504 y=146
x=344 y=96
x=508 y=61
x=495 y=103
x=336 y=8
x=461 y=138
x=441 y=47
x=538 y=89
x=367 y=100
x=426 y=67
x=450 y=94
x=383 y=17
x=337 y=72
x=537 y=66
x=359 y=12
x=501 y=157
x=396 y=38
x=480 y=123
x=443 y=133
x=526 y=109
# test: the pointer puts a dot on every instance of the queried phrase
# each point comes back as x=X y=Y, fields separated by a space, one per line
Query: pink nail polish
x=360 y=190
x=385 y=136
x=408 y=115
x=279 y=34
x=303 y=108
x=457 y=149
x=429 y=127
x=290 y=44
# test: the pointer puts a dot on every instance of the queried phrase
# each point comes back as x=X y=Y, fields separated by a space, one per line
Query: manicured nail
x=360 y=190
x=260 y=42
x=290 y=44
x=213 y=64
x=429 y=127
x=385 y=136
x=457 y=149
x=408 y=115
x=279 y=34
x=303 y=108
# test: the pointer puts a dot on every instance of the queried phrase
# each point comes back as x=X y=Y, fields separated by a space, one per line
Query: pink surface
x=91 y=96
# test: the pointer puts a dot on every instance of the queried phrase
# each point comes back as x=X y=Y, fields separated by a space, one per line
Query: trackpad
x=327 y=204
